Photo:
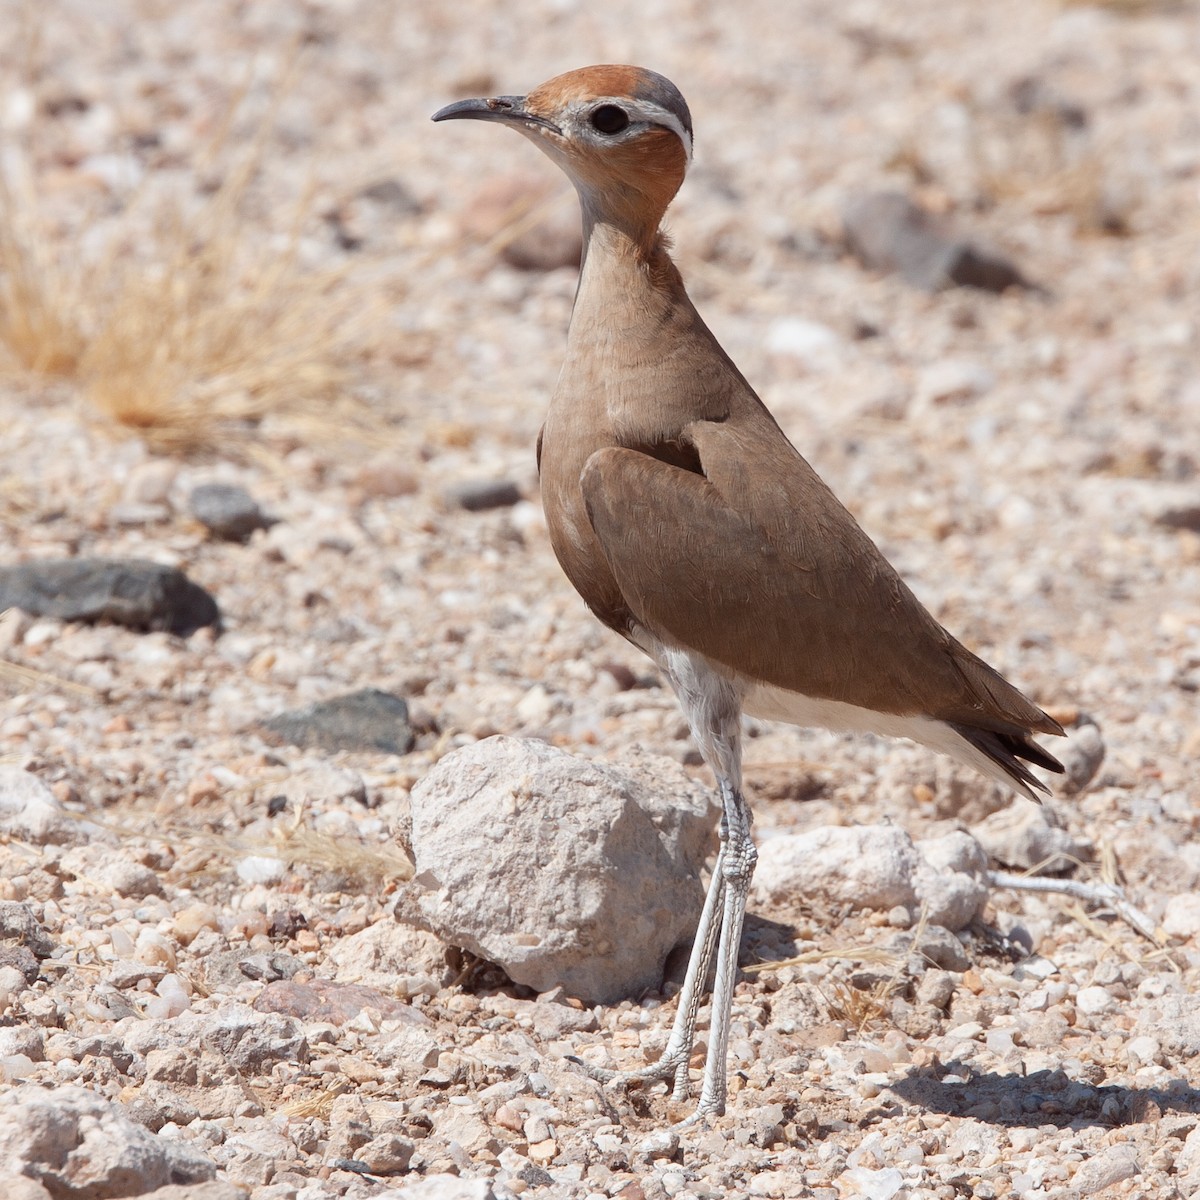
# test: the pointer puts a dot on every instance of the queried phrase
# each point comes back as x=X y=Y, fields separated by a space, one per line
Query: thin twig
x=1105 y=894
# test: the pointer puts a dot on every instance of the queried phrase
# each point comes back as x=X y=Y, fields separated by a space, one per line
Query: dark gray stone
x=132 y=592
x=364 y=720
x=1186 y=516
x=269 y=967
x=17 y=923
x=14 y=955
x=227 y=969
x=250 y=1040
x=392 y=194
x=157 y=1104
x=226 y=511
x=478 y=495
x=888 y=232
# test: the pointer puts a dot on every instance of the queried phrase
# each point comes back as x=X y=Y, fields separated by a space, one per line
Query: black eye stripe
x=609 y=118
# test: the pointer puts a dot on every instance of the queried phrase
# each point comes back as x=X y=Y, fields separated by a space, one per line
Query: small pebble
x=12 y=984
x=16 y=1066
x=260 y=868
x=150 y=482
x=1145 y=1049
x=482 y=494
x=1094 y=1000
x=543 y=1151
x=191 y=920
x=536 y=1129
x=1181 y=917
x=663 y=1143
x=797 y=337
x=937 y=987
x=227 y=511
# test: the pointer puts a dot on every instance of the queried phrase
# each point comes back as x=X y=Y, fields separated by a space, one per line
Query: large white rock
x=877 y=867
x=867 y=866
x=559 y=869
x=952 y=881
x=80 y=1146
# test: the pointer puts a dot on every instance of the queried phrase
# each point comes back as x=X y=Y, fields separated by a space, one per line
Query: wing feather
x=779 y=582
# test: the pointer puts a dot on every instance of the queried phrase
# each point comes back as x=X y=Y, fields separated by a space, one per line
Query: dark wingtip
x=1049 y=725
x=1007 y=750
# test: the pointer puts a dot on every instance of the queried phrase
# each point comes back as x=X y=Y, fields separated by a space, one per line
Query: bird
x=690 y=525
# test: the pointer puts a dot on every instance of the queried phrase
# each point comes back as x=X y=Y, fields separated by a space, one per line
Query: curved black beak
x=510 y=110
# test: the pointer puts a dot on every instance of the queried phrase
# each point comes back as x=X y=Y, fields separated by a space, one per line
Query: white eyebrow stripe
x=657 y=115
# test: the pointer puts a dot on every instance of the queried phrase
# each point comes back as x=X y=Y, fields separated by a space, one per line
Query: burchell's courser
x=690 y=524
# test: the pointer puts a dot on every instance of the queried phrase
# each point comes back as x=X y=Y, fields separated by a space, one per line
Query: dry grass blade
x=381 y=864
x=859 y=954
x=1126 y=8
x=319 y=1104
x=29 y=676
x=1043 y=160
x=210 y=334
x=1106 y=935
x=297 y=844
x=522 y=217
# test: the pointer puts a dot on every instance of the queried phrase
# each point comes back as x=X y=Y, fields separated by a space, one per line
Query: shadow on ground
x=1042 y=1098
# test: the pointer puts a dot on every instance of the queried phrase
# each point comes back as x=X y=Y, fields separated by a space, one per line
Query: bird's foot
x=665 y=1069
x=668 y=1068
x=701 y=1118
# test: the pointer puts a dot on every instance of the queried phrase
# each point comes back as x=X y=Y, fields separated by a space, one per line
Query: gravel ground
x=1029 y=460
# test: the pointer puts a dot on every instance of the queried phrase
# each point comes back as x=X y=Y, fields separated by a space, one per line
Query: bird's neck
x=634 y=336
x=626 y=272
x=624 y=224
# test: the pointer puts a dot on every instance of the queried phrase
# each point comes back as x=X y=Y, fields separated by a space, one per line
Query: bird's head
x=622 y=134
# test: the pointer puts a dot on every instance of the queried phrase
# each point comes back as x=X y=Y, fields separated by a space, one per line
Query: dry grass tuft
x=204 y=854
x=1126 y=8
x=299 y=844
x=22 y=677
x=1042 y=161
x=190 y=326
x=859 y=1008
x=39 y=297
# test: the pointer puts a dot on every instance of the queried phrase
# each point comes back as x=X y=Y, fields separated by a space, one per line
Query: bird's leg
x=712 y=705
x=673 y=1063
x=683 y=1033
x=736 y=865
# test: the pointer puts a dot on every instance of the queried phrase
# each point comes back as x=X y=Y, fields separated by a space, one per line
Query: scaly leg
x=737 y=864
x=674 y=1059
x=712 y=704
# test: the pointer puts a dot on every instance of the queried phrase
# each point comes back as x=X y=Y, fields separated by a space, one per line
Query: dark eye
x=610 y=118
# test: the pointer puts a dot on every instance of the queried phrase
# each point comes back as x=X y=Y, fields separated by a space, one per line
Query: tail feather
x=1007 y=749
